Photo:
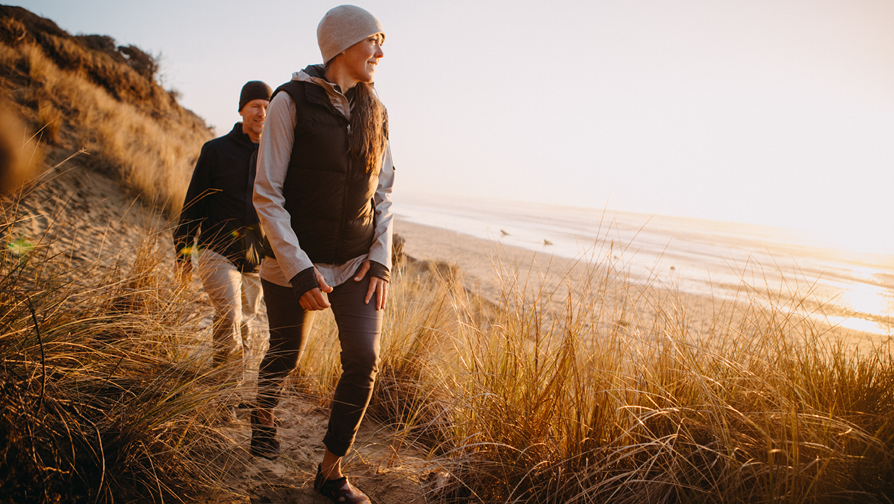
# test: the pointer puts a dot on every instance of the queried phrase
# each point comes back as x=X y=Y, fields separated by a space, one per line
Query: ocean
x=849 y=289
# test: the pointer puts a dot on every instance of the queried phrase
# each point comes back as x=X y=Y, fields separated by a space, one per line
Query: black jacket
x=218 y=203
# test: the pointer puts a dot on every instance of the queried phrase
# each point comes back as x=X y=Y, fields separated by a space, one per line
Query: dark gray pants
x=359 y=328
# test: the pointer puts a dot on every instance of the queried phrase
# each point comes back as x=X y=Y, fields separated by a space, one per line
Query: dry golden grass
x=126 y=72
x=19 y=157
x=153 y=157
x=607 y=392
x=541 y=399
x=84 y=93
x=103 y=397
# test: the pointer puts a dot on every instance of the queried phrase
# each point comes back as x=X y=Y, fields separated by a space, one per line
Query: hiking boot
x=263 y=439
x=339 y=490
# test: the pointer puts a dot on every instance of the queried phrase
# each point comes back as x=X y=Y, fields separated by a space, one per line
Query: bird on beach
x=547 y=242
x=504 y=233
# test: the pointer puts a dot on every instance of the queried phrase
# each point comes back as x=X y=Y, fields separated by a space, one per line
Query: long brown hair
x=368 y=126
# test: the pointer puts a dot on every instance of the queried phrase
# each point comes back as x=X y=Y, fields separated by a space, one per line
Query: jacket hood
x=312 y=73
x=314 y=70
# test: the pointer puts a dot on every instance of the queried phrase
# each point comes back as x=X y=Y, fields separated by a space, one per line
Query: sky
x=772 y=112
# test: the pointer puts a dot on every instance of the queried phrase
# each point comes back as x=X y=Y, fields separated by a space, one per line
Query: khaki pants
x=236 y=298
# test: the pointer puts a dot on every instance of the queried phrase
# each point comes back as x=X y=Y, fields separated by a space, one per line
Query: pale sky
x=775 y=112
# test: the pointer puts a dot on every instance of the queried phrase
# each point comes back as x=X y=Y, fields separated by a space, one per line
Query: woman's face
x=360 y=59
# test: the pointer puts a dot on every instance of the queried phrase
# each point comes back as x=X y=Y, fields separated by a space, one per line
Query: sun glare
x=862 y=325
x=863 y=298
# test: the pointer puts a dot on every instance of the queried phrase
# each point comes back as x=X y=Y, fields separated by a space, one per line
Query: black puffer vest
x=328 y=192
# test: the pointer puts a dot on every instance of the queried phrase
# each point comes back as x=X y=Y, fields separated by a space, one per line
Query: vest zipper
x=344 y=204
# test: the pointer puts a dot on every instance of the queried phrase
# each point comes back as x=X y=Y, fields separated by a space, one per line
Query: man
x=218 y=213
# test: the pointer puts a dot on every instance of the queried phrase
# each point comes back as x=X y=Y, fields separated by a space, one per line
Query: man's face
x=254 y=113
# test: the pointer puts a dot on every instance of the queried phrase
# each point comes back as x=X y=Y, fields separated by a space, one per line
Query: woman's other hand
x=377 y=287
x=316 y=299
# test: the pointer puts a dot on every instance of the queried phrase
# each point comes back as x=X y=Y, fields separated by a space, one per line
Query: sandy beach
x=485 y=266
x=488 y=267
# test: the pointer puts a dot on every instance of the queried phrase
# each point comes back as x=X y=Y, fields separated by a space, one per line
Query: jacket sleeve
x=195 y=205
x=380 y=251
x=273 y=164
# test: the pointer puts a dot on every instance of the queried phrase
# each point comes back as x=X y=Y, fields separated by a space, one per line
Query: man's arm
x=195 y=208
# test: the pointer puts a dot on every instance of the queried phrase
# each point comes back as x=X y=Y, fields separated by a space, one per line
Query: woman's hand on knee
x=377 y=287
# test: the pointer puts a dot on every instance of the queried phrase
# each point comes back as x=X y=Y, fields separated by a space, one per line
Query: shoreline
x=708 y=258
x=489 y=267
x=482 y=263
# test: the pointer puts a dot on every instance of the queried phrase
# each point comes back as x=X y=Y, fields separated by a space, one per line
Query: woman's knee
x=361 y=362
x=359 y=335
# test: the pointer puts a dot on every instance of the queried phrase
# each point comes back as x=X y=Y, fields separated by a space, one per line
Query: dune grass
x=153 y=157
x=102 y=398
x=611 y=393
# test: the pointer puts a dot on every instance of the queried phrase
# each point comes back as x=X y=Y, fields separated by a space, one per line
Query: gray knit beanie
x=344 y=26
x=254 y=90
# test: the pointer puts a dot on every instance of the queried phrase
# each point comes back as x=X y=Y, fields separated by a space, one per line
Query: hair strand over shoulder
x=368 y=127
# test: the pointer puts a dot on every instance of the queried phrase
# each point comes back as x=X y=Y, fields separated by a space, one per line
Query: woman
x=322 y=193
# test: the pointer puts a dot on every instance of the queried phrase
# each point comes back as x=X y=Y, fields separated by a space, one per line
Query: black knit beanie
x=254 y=90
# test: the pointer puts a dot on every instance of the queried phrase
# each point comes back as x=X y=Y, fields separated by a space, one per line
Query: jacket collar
x=323 y=92
x=238 y=136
